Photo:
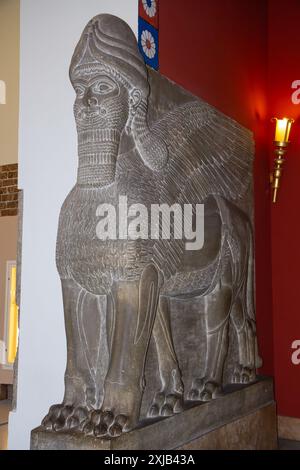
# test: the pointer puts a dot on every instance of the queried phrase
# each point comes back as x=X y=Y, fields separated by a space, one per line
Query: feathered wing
x=209 y=153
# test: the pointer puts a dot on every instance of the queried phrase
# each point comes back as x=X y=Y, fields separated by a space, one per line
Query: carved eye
x=79 y=90
x=104 y=87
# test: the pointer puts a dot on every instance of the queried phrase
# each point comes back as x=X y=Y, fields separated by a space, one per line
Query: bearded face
x=101 y=102
x=110 y=79
x=101 y=112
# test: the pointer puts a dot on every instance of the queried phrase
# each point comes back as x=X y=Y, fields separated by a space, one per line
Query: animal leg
x=80 y=388
x=217 y=309
x=245 y=369
x=169 y=399
x=134 y=305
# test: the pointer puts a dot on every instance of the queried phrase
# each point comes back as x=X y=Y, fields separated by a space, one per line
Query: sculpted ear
x=135 y=99
x=152 y=148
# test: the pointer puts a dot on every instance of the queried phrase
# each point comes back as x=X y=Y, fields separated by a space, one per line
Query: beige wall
x=9 y=73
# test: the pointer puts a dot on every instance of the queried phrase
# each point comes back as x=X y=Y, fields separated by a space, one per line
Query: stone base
x=256 y=431
x=244 y=418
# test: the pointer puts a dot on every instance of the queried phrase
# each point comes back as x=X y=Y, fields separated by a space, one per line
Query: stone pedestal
x=244 y=418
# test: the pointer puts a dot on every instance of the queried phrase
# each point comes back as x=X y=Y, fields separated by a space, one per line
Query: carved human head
x=110 y=78
x=108 y=75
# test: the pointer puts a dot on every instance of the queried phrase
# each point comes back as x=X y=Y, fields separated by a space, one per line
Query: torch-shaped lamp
x=281 y=142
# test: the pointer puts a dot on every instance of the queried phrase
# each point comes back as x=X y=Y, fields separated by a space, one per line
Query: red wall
x=218 y=50
x=284 y=68
x=242 y=57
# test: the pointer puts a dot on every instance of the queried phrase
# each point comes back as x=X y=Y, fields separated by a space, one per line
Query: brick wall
x=8 y=190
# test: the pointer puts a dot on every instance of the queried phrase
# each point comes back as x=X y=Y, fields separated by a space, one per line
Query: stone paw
x=166 y=404
x=204 y=389
x=64 y=417
x=105 y=424
x=243 y=375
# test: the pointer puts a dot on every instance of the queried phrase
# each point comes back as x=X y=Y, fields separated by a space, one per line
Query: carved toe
x=166 y=410
x=64 y=417
x=243 y=375
x=165 y=405
x=205 y=396
x=105 y=424
x=73 y=423
x=107 y=418
x=88 y=429
x=100 y=430
x=115 y=430
x=194 y=395
x=153 y=411
x=204 y=389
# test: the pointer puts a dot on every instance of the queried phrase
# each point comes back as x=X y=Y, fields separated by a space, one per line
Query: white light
x=2 y=92
x=2 y=353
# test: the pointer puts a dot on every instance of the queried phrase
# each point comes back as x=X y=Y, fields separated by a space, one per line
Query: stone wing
x=209 y=153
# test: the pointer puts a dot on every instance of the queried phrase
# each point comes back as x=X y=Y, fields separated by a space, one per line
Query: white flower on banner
x=150 y=7
x=148 y=44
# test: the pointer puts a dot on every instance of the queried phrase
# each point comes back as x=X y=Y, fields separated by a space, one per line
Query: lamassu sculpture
x=143 y=137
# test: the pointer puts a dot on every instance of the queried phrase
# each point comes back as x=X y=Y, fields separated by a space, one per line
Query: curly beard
x=97 y=151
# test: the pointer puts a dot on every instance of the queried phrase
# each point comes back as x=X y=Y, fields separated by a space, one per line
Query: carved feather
x=209 y=153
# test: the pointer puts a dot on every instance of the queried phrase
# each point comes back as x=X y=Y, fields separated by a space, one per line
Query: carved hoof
x=166 y=405
x=105 y=424
x=243 y=375
x=204 y=390
x=65 y=417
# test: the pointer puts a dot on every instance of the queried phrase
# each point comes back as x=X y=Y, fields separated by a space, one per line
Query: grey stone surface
x=254 y=431
x=197 y=420
x=150 y=324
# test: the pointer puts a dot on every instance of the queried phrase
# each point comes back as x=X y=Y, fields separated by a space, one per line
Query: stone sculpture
x=143 y=137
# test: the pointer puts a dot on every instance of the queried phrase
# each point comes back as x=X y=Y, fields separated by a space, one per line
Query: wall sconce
x=281 y=142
